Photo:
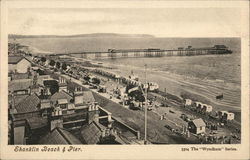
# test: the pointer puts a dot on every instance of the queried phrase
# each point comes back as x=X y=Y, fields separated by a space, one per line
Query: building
x=59 y=136
x=27 y=120
x=18 y=64
x=37 y=117
x=197 y=126
x=20 y=87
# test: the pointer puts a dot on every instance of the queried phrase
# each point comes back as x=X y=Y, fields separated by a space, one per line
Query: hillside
x=101 y=35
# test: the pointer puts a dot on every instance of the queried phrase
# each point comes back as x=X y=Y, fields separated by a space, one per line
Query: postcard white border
x=131 y=151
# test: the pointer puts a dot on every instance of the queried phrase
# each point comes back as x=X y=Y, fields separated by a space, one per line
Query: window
x=200 y=128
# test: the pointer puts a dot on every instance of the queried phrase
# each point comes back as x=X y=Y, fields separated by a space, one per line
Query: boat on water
x=219 y=97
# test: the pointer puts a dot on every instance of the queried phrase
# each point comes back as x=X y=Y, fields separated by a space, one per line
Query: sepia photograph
x=108 y=76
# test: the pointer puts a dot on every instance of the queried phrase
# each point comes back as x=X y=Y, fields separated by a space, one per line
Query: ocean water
x=80 y=44
x=210 y=67
x=205 y=76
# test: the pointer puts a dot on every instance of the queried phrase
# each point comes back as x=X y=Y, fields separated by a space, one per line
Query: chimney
x=93 y=113
x=78 y=96
x=62 y=84
x=56 y=119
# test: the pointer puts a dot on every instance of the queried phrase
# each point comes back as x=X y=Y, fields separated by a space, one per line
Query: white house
x=197 y=126
x=18 y=64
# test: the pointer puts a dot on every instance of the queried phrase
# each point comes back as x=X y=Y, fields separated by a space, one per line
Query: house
x=14 y=76
x=70 y=103
x=59 y=136
x=24 y=117
x=197 y=126
x=18 y=64
x=91 y=133
x=19 y=87
x=61 y=95
x=24 y=87
x=188 y=102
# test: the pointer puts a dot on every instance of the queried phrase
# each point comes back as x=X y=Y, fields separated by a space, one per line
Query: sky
x=159 y=22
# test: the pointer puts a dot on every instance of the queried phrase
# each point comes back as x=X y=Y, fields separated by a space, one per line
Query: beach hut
x=199 y=106
x=188 y=102
x=221 y=114
x=229 y=116
x=225 y=115
x=207 y=108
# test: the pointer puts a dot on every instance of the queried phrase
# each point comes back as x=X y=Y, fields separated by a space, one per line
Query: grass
x=194 y=97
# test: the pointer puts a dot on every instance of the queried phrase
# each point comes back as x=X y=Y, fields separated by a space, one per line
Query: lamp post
x=146 y=105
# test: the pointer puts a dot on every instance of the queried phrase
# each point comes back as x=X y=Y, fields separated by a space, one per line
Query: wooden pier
x=114 y=53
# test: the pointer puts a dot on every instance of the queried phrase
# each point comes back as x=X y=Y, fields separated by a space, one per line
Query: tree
x=96 y=81
x=64 y=66
x=137 y=94
x=52 y=63
x=58 y=65
x=43 y=59
x=52 y=85
x=86 y=77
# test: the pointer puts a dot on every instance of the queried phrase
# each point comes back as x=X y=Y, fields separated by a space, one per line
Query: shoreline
x=178 y=80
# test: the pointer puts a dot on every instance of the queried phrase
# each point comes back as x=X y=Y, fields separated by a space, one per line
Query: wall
x=23 y=65
x=20 y=67
x=202 y=130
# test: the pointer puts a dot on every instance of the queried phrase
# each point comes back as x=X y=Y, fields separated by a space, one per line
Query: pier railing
x=151 y=53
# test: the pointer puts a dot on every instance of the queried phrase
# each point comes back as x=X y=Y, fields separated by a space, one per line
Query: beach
x=205 y=89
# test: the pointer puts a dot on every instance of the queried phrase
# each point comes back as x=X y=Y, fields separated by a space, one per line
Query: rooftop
x=199 y=122
x=20 y=84
x=37 y=122
x=61 y=95
x=20 y=76
x=14 y=59
x=88 y=97
x=29 y=104
x=62 y=101
x=91 y=133
x=59 y=136
x=17 y=99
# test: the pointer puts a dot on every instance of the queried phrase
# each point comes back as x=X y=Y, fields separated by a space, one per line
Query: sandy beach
x=178 y=84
